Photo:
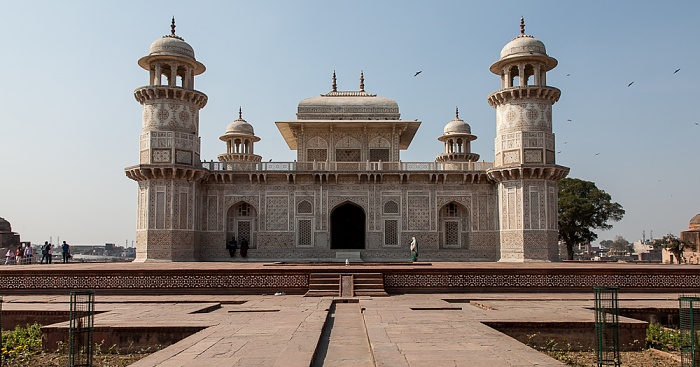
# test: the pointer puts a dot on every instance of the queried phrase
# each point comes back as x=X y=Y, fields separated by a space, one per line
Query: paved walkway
x=415 y=330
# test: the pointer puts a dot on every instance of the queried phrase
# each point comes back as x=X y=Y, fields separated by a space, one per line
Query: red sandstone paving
x=399 y=336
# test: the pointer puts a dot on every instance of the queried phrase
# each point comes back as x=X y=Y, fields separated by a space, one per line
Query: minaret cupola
x=240 y=138
x=457 y=137
x=170 y=122
x=524 y=103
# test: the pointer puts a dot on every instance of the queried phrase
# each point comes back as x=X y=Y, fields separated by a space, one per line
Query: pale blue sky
x=69 y=123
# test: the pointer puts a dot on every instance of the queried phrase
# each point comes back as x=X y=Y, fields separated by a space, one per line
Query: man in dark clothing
x=65 y=251
x=244 y=247
x=231 y=246
x=46 y=253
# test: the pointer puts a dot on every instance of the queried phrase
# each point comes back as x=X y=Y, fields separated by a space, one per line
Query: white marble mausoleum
x=348 y=194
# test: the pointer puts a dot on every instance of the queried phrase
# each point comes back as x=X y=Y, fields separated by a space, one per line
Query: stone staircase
x=346 y=285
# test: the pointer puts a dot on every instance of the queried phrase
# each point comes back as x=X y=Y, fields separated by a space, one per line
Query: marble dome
x=171 y=45
x=348 y=106
x=457 y=126
x=240 y=126
x=523 y=45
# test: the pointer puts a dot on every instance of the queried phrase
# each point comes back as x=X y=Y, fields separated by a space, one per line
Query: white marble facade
x=348 y=192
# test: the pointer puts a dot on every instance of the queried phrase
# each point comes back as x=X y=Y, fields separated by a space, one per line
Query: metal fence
x=689 y=312
x=607 y=326
x=82 y=315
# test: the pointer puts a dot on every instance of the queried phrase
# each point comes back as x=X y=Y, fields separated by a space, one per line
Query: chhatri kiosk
x=348 y=194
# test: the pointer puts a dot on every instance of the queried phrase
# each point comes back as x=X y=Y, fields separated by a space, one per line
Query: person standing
x=45 y=253
x=414 y=250
x=19 y=255
x=28 y=254
x=244 y=248
x=49 y=252
x=10 y=257
x=65 y=251
x=231 y=246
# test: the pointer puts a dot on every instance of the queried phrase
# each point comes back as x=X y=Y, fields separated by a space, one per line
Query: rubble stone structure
x=348 y=194
x=8 y=238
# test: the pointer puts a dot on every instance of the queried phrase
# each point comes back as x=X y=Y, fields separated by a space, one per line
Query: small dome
x=240 y=126
x=695 y=222
x=171 y=45
x=457 y=126
x=523 y=44
x=5 y=225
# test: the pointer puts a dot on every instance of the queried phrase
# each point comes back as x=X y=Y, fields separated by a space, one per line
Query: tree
x=606 y=243
x=675 y=245
x=620 y=244
x=583 y=208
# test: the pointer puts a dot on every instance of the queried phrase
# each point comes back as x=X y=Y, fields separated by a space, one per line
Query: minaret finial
x=362 y=81
x=172 y=26
x=457 y=113
x=240 y=113
x=335 y=86
x=522 y=25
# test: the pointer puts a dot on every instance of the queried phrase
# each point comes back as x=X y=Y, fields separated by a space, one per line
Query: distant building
x=645 y=251
x=691 y=235
x=348 y=193
x=8 y=239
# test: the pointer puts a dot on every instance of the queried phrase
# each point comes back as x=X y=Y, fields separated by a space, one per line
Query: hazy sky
x=69 y=123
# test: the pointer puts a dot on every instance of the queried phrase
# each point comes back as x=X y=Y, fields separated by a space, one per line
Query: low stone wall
x=398 y=278
x=574 y=336
x=128 y=339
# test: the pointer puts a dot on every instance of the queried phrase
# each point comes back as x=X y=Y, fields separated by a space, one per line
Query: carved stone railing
x=345 y=166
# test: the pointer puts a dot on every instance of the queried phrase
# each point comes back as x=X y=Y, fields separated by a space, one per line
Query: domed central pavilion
x=348 y=194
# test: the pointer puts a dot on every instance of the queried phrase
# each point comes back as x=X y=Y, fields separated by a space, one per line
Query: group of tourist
x=24 y=254
x=232 y=245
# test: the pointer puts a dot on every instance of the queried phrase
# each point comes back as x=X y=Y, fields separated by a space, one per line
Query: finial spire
x=522 y=25
x=172 y=26
x=362 y=81
x=335 y=86
x=457 y=113
x=240 y=113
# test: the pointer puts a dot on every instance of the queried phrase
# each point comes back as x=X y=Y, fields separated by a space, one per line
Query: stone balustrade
x=346 y=166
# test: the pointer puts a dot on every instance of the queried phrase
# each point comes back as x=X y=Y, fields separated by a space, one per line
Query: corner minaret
x=524 y=166
x=169 y=169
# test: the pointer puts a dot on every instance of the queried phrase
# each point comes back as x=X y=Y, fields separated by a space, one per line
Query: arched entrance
x=348 y=227
x=240 y=223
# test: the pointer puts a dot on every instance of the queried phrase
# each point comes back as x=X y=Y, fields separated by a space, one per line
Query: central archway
x=348 y=227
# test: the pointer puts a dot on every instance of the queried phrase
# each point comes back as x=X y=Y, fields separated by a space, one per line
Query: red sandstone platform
x=293 y=278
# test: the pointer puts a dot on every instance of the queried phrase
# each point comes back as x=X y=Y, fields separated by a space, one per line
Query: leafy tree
x=675 y=245
x=620 y=244
x=606 y=243
x=583 y=208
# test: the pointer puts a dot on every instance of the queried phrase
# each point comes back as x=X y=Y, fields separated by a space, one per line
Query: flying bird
x=677 y=70
x=418 y=72
x=559 y=152
x=697 y=124
x=270 y=160
x=568 y=74
x=568 y=119
x=565 y=142
x=630 y=84
x=597 y=153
